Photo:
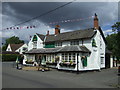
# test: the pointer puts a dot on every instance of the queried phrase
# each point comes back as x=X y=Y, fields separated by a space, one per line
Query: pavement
x=13 y=78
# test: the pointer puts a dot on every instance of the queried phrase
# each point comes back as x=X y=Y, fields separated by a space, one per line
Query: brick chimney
x=47 y=33
x=96 y=24
x=57 y=30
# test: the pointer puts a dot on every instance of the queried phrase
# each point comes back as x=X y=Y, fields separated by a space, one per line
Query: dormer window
x=58 y=44
x=76 y=42
x=49 y=45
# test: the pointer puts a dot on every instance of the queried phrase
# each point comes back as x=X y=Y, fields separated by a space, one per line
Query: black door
x=107 y=60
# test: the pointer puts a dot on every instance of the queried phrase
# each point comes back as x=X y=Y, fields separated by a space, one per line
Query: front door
x=43 y=61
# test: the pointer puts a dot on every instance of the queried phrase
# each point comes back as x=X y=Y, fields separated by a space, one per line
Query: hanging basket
x=67 y=65
x=54 y=64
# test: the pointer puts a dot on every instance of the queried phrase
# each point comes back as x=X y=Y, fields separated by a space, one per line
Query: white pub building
x=77 y=50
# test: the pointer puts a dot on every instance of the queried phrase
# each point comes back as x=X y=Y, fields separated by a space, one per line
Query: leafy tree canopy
x=114 y=40
x=12 y=40
x=116 y=27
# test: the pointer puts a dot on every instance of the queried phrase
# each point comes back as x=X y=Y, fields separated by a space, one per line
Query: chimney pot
x=47 y=33
x=57 y=30
x=96 y=25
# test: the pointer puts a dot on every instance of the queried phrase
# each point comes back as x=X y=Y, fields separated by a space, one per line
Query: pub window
x=70 y=56
x=74 y=57
x=34 y=45
x=63 y=56
x=74 y=42
x=58 y=43
x=102 y=60
x=66 y=57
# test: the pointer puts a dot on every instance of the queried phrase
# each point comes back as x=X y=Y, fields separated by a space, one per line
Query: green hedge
x=11 y=57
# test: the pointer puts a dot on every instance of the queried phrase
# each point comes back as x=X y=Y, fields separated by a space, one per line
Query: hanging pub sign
x=34 y=38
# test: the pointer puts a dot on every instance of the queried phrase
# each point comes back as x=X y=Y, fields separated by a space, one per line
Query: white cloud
x=108 y=32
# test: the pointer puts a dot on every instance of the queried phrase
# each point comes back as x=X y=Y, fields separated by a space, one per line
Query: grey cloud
x=21 y=11
x=73 y=10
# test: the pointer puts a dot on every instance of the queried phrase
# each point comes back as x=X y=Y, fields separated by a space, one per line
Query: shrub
x=11 y=57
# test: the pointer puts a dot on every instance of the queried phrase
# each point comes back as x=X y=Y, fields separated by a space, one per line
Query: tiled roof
x=43 y=50
x=78 y=34
x=15 y=46
x=74 y=48
x=41 y=36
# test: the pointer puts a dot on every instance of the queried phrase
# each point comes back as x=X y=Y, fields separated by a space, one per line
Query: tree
x=112 y=43
x=116 y=27
x=12 y=40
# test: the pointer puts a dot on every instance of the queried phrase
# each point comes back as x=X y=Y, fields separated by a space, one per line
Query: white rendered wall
x=9 y=48
x=102 y=51
x=39 y=43
x=20 y=50
x=111 y=62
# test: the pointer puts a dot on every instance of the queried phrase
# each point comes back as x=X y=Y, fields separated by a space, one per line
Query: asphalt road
x=13 y=78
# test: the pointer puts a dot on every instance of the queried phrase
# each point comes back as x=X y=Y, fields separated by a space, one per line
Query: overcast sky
x=16 y=12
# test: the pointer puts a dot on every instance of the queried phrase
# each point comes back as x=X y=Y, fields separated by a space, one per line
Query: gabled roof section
x=15 y=46
x=102 y=35
x=41 y=36
x=78 y=34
